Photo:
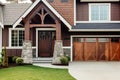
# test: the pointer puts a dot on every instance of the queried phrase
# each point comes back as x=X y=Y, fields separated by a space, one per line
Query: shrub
x=14 y=58
x=0 y=61
x=68 y=58
x=5 y=58
x=64 y=60
x=19 y=61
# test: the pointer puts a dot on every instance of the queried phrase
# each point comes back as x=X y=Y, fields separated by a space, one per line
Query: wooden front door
x=96 y=49
x=46 y=43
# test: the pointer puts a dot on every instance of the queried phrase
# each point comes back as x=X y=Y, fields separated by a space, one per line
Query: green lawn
x=30 y=72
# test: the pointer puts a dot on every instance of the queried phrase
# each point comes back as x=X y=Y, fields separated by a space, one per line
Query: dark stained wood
x=43 y=25
x=58 y=30
x=45 y=44
x=27 y=31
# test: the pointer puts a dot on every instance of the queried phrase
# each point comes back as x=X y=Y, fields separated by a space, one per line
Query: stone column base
x=58 y=52
x=27 y=52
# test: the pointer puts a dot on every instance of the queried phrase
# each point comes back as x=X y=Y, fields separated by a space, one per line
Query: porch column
x=58 y=47
x=27 y=45
x=58 y=30
x=27 y=30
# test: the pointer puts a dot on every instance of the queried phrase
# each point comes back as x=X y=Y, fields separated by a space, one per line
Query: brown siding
x=14 y=52
x=66 y=9
x=115 y=11
x=33 y=36
x=65 y=36
x=5 y=36
x=82 y=13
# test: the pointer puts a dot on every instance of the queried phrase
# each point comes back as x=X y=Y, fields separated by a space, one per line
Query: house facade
x=88 y=29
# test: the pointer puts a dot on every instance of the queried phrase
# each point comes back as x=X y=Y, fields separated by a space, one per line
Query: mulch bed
x=9 y=65
x=12 y=65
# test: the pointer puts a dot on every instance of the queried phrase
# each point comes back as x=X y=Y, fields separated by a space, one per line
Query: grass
x=30 y=72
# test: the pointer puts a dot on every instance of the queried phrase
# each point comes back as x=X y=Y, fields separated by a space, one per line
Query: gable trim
x=49 y=6
x=1 y=25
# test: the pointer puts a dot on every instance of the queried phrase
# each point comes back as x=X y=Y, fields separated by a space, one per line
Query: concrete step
x=42 y=60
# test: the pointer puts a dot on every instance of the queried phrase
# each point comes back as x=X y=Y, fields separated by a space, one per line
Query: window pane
x=102 y=39
x=90 y=39
x=21 y=37
x=17 y=37
x=99 y=12
x=94 y=12
x=104 y=12
x=14 y=38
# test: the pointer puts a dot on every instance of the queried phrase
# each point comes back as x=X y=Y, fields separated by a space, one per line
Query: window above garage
x=99 y=12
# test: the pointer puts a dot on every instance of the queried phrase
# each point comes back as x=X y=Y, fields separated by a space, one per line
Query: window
x=50 y=1
x=114 y=39
x=99 y=12
x=16 y=37
x=64 y=0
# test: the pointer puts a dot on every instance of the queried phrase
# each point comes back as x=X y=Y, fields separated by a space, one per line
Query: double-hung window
x=99 y=12
x=16 y=37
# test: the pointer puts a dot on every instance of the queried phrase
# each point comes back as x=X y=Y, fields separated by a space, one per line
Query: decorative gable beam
x=49 y=6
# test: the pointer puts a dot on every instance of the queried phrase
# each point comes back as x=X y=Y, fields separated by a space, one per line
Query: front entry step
x=42 y=60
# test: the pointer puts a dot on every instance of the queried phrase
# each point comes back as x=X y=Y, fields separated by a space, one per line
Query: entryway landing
x=95 y=70
x=42 y=60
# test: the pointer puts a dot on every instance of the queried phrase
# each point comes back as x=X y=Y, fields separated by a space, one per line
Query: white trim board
x=49 y=6
x=41 y=29
x=98 y=22
x=88 y=36
x=94 y=30
x=75 y=12
x=0 y=39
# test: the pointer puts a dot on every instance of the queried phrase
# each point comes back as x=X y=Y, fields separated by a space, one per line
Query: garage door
x=96 y=49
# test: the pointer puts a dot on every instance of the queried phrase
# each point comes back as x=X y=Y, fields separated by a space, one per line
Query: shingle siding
x=13 y=11
x=66 y=9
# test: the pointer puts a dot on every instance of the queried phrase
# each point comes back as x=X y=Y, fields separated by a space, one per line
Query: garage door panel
x=78 y=51
x=115 y=51
x=96 y=49
x=90 y=51
x=103 y=51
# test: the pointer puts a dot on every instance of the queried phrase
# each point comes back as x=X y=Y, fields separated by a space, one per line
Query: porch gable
x=48 y=6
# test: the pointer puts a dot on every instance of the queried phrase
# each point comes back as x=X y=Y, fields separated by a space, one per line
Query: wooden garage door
x=96 y=49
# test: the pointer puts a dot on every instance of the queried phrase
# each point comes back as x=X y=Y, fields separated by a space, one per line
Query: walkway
x=49 y=65
x=95 y=70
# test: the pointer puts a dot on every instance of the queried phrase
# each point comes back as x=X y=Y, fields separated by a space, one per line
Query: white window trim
x=10 y=30
x=109 y=16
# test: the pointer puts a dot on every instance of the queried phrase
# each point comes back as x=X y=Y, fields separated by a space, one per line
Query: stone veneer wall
x=27 y=52
x=58 y=51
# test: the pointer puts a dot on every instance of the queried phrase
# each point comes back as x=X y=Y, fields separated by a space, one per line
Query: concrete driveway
x=95 y=70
